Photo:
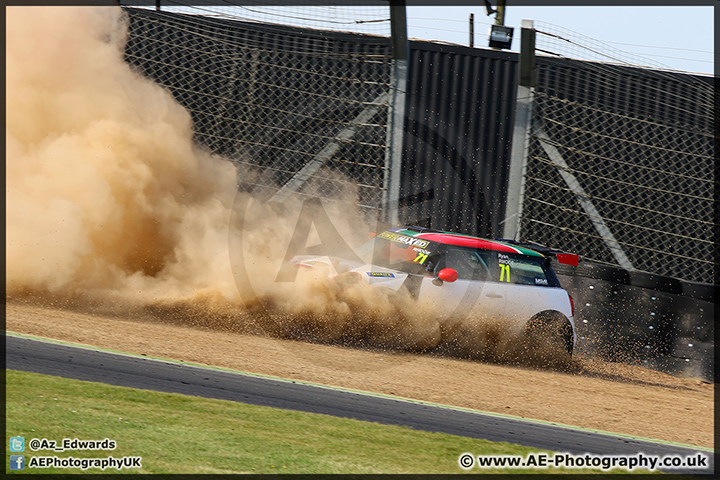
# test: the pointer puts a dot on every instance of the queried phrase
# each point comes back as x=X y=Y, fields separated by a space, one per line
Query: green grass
x=182 y=434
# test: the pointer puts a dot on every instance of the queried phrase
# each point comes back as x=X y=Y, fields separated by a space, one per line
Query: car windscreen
x=400 y=252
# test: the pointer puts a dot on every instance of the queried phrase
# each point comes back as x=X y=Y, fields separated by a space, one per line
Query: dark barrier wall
x=458 y=132
x=638 y=318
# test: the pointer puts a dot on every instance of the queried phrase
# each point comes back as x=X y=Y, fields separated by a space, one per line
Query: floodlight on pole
x=500 y=35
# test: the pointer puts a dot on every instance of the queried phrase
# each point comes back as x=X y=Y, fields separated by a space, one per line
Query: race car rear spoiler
x=562 y=257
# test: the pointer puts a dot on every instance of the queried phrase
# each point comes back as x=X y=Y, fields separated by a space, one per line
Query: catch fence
x=620 y=164
x=297 y=110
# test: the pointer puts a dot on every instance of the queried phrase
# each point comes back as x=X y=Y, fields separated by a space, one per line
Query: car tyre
x=547 y=339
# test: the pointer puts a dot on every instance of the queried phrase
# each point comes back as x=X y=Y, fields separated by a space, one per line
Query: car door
x=527 y=290
x=471 y=293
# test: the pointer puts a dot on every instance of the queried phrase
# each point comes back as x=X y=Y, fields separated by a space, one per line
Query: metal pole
x=398 y=30
x=472 y=30
x=396 y=111
x=500 y=16
x=521 y=132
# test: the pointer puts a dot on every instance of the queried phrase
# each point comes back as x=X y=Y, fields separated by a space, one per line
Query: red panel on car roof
x=463 y=241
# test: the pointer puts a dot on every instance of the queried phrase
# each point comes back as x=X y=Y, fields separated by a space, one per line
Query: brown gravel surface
x=592 y=394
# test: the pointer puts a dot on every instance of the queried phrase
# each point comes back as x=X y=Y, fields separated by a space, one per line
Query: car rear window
x=524 y=270
x=490 y=265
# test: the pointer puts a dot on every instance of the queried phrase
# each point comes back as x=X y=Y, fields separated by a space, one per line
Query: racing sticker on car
x=504 y=262
x=421 y=257
x=381 y=274
x=396 y=237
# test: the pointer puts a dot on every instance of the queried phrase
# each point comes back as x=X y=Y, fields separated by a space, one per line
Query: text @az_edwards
x=66 y=444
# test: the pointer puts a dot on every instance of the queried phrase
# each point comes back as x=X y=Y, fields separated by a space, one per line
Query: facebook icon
x=17 y=462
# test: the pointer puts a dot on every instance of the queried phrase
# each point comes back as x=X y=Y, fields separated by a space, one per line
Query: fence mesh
x=620 y=166
x=296 y=110
x=367 y=17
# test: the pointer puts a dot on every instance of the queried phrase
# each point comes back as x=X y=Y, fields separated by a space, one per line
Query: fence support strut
x=304 y=174
x=584 y=201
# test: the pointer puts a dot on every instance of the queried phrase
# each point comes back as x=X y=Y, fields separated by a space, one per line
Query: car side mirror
x=446 y=275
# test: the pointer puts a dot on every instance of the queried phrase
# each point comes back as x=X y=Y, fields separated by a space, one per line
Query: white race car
x=461 y=275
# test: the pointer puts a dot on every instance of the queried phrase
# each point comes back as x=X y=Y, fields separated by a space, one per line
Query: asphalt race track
x=137 y=372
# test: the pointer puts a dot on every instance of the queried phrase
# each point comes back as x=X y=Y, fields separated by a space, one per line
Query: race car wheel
x=548 y=338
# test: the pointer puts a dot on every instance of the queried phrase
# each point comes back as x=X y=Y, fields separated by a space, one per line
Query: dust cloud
x=110 y=201
x=110 y=204
x=106 y=191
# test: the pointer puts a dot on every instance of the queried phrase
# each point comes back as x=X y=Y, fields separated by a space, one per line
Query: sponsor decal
x=381 y=274
x=396 y=237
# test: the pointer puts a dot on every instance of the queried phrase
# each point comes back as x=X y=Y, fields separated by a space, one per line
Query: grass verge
x=183 y=434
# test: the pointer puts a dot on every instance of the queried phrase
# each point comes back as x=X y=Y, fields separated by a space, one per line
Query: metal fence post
x=396 y=111
x=521 y=132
